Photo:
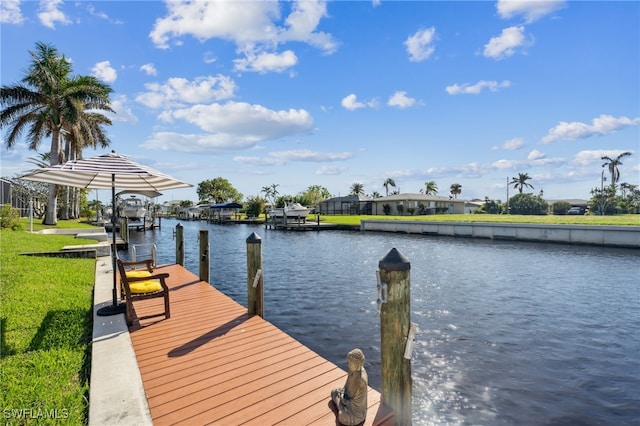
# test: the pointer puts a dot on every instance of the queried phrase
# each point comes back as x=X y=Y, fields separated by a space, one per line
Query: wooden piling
x=204 y=255
x=179 y=244
x=255 y=281
x=124 y=230
x=395 y=325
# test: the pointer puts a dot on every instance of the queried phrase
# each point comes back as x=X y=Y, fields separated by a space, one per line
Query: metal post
x=204 y=255
x=255 y=281
x=396 y=334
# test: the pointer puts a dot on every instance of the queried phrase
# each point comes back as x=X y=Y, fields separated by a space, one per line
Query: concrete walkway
x=116 y=393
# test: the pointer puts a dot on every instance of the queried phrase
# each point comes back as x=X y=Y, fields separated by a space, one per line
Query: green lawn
x=623 y=220
x=46 y=324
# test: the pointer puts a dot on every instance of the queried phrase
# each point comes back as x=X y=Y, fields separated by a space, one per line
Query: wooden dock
x=211 y=363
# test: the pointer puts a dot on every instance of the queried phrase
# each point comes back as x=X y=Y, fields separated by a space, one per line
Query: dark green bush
x=528 y=204
x=560 y=207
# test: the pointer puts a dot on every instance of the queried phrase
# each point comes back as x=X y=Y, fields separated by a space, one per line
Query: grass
x=619 y=220
x=45 y=330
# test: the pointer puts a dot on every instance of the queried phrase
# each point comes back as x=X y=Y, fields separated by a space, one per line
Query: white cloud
x=506 y=43
x=245 y=121
x=279 y=158
x=352 y=103
x=589 y=157
x=536 y=155
x=10 y=12
x=532 y=10
x=49 y=13
x=401 y=100
x=602 y=125
x=302 y=23
x=263 y=62
x=149 y=69
x=209 y=58
x=194 y=143
x=92 y=10
x=123 y=113
x=240 y=22
x=179 y=91
x=469 y=89
x=330 y=170
x=506 y=164
x=511 y=144
x=105 y=72
x=420 y=45
x=254 y=27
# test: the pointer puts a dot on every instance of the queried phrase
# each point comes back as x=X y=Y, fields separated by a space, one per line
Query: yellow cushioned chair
x=140 y=284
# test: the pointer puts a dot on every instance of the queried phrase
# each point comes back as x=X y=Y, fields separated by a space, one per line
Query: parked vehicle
x=576 y=210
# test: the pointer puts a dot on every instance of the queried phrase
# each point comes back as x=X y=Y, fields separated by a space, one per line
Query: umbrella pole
x=115 y=308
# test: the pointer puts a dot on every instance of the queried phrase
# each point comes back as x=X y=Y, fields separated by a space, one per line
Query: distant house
x=349 y=205
x=398 y=204
x=415 y=204
x=575 y=202
x=168 y=208
x=189 y=213
x=471 y=206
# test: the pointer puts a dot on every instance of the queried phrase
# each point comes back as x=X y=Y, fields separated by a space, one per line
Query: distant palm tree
x=357 y=189
x=387 y=183
x=520 y=182
x=455 y=189
x=612 y=164
x=50 y=102
x=430 y=188
x=270 y=193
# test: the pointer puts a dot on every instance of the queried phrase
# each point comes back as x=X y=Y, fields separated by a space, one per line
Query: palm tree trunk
x=51 y=218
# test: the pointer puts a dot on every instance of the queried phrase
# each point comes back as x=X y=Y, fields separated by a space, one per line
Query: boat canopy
x=148 y=194
x=226 y=206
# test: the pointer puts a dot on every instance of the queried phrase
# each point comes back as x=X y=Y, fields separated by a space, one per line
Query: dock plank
x=211 y=363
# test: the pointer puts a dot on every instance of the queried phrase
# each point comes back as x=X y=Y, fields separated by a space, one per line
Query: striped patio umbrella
x=107 y=171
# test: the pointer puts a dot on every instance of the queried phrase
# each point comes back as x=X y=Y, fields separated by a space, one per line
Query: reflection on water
x=509 y=333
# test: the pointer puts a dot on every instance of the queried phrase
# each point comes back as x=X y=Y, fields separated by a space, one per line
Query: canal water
x=509 y=333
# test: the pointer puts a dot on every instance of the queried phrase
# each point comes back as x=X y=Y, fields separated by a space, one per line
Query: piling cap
x=394 y=261
x=254 y=238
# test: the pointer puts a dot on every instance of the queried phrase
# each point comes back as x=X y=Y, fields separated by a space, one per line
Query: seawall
x=599 y=235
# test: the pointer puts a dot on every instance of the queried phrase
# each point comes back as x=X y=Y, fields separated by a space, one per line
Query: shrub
x=387 y=209
x=528 y=204
x=560 y=207
x=9 y=218
x=255 y=206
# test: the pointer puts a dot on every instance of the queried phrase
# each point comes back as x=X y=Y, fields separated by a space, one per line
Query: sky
x=306 y=93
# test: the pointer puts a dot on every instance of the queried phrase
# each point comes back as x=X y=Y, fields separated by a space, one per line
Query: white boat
x=132 y=208
x=291 y=211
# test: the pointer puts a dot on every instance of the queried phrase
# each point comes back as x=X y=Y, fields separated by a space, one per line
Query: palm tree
x=271 y=193
x=612 y=164
x=86 y=132
x=51 y=101
x=387 y=183
x=520 y=182
x=430 y=188
x=455 y=189
x=357 y=189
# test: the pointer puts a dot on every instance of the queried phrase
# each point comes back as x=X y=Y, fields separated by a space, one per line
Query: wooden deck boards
x=211 y=363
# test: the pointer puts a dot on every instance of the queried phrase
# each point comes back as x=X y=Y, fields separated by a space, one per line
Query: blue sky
x=332 y=93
